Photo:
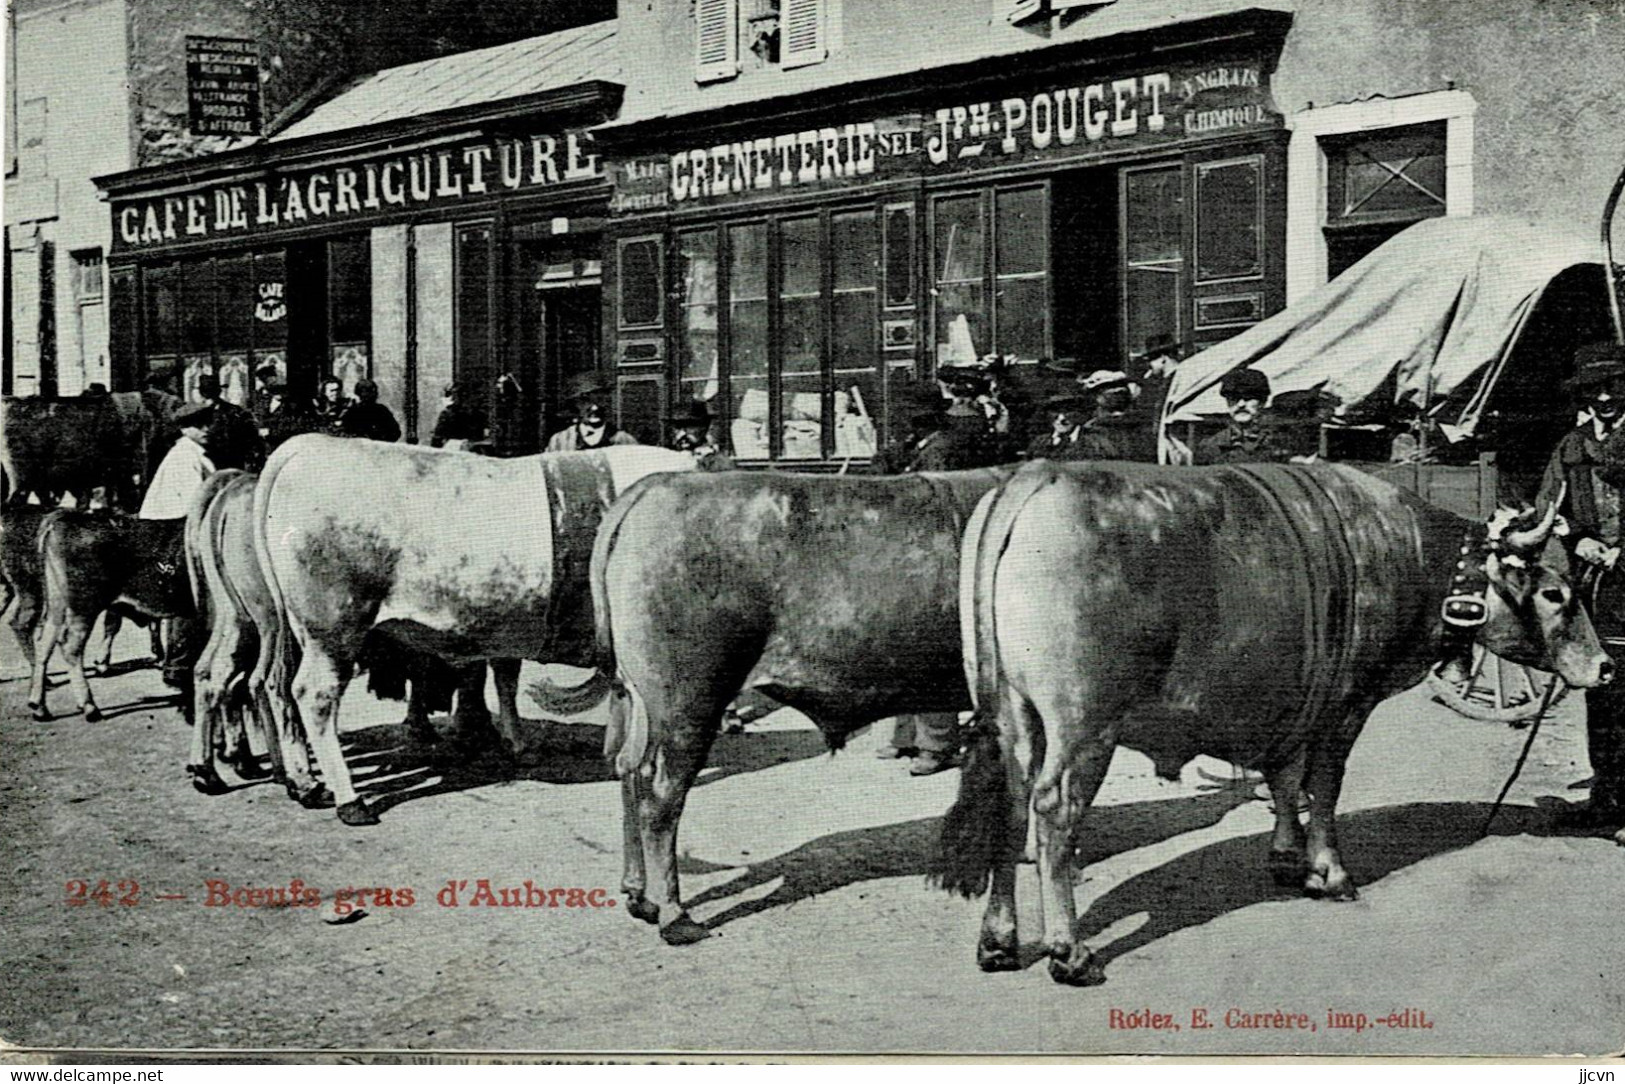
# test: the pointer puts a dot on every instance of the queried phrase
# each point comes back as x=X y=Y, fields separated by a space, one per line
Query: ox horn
x=1536 y=536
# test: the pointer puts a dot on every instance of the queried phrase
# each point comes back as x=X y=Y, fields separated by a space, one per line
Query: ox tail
x=626 y=738
x=976 y=831
x=277 y=642
x=198 y=540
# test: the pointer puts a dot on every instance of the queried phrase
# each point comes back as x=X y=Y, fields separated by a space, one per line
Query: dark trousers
x=932 y=733
x=1605 y=745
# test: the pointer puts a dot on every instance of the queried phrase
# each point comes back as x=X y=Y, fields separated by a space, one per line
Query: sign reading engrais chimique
x=223 y=86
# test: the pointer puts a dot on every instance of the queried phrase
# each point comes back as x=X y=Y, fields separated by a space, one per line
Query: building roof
x=927 y=45
x=479 y=77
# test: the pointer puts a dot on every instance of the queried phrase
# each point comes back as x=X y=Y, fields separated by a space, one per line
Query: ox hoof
x=1337 y=889
x=356 y=814
x=992 y=956
x=683 y=931
x=639 y=907
x=206 y=780
x=1288 y=868
x=317 y=797
x=248 y=769
x=93 y=714
x=39 y=712
x=1075 y=971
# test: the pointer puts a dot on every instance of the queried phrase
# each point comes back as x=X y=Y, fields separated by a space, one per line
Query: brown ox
x=834 y=595
x=457 y=556
x=75 y=445
x=1255 y=614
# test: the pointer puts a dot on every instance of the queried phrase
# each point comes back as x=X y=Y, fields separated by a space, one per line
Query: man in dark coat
x=265 y=377
x=919 y=408
x=1590 y=462
x=234 y=437
x=461 y=422
x=590 y=426
x=367 y=417
x=691 y=432
x=1116 y=430
x=1067 y=412
x=1247 y=436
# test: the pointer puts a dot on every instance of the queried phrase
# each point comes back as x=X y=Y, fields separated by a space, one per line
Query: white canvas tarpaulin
x=1439 y=306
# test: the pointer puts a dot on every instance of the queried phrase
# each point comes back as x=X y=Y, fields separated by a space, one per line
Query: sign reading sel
x=223 y=86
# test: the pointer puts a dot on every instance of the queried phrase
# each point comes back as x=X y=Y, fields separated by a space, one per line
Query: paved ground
x=808 y=868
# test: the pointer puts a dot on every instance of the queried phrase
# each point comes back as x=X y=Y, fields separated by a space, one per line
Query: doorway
x=558 y=307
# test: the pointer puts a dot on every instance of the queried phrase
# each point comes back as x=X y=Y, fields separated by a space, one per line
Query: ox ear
x=1511 y=576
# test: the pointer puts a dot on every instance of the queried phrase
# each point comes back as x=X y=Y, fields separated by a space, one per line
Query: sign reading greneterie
x=1055 y=122
x=362 y=190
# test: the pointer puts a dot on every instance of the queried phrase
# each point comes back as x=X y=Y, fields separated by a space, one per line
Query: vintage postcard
x=812 y=527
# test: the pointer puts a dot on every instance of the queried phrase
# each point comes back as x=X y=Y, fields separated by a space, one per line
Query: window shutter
x=716 y=40
x=802 y=40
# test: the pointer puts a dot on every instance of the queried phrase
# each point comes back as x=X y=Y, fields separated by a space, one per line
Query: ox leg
x=634 y=878
x=1060 y=800
x=999 y=947
x=667 y=774
x=317 y=689
x=102 y=660
x=74 y=637
x=22 y=613
x=207 y=694
x=1327 y=878
x=1289 y=863
x=272 y=690
x=55 y=617
x=505 y=675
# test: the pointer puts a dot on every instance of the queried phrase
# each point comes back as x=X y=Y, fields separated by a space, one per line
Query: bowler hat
x=1596 y=363
x=585 y=386
x=918 y=402
x=208 y=384
x=690 y=412
x=1307 y=407
x=195 y=414
x=1245 y=384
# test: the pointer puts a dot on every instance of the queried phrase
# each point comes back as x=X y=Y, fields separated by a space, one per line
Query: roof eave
x=596 y=95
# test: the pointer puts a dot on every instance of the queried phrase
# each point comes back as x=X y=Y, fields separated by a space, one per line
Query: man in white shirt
x=185 y=466
x=160 y=585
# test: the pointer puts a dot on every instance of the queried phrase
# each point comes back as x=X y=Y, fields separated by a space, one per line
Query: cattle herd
x=1255 y=614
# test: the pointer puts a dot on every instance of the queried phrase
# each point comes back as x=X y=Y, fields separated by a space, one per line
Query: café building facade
x=794 y=259
x=436 y=222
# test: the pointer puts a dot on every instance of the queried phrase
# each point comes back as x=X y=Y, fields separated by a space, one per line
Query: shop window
x=270 y=330
x=88 y=266
x=698 y=348
x=639 y=280
x=1153 y=209
x=1379 y=182
x=349 y=308
x=472 y=354
x=855 y=401
x=747 y=340
x=998 y=306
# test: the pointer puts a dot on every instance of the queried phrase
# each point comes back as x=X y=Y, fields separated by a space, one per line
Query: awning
x=1439 y=307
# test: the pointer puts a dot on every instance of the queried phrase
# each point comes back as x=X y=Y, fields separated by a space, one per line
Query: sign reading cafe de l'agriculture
x=364 y=189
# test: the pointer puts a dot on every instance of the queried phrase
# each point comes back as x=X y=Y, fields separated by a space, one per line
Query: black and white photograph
x=750 y=529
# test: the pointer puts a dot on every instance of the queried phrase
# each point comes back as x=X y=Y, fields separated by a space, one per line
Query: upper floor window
x=87 y=276
x=1377 y=183
x=771 y=33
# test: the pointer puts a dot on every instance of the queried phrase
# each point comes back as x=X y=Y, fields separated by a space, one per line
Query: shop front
x=793 y=270
x=465 y=251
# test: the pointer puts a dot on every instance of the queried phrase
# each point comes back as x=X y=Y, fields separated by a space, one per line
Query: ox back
x=55 y=446
x=834 y=595
x=1227 y=611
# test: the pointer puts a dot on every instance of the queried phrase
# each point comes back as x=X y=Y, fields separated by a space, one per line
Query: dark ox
x=89 y=561
x=1255 y=614
x=461 y=557
x=230 y=675
x=75 y=445
x=834 y=595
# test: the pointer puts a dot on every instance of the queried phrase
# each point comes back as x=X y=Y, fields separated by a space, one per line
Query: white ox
x=462 y=557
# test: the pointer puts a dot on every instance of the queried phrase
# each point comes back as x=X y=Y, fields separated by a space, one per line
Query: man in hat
x=1115 y=431
x=1067 y=412
x=1294 y=420
x=590 y=426
x=461 y=422
x=1246 y=437
x=690 y=425
x=920 y=407
x=367 y=417
x=286 y=416
x=234 y=437
x=160 y=526
x=264 y=377
x=1586 y=462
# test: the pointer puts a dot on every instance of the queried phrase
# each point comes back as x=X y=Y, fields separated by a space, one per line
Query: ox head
x=1535 y=616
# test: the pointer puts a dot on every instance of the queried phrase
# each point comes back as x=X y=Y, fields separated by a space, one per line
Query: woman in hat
x=1116 y=431
x=690 y=425
x=1584 y=470
x=367 y=417
x=590 y=426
